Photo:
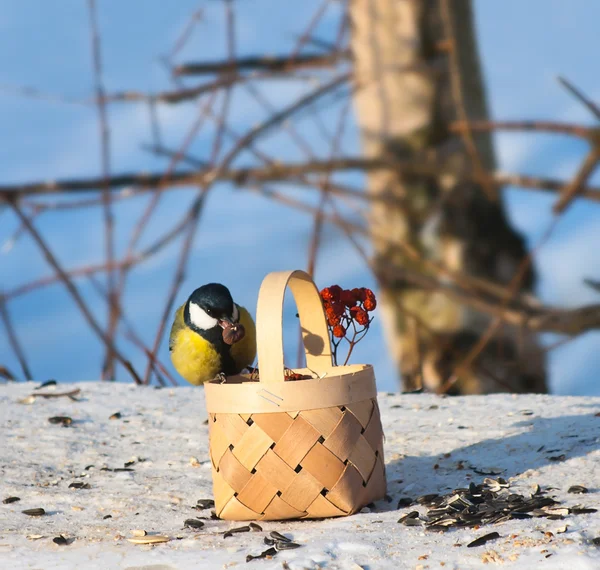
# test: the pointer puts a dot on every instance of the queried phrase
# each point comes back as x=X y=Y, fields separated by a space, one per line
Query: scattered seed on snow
x=34 y=512
x=10 y=500
x=149 y=539
x=483 y=539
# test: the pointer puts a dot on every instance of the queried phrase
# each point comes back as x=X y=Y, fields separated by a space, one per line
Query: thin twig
x=113 y=309
x=456 y=75
x=580 y=131
x=278 y=64
x=72 y=289
x=133 y=337
x=13 y=339
x=272 y=172
x=576 y=185
x=579 y=95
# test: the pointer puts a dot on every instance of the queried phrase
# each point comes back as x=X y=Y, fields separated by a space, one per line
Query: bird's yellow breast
x=194 y=357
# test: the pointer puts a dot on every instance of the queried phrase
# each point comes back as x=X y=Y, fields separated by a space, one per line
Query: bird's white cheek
x=200 y=318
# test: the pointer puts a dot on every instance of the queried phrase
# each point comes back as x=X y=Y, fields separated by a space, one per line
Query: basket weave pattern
x=316 y=463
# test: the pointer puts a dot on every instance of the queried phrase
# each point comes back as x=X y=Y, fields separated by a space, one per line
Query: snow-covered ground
x=433 y=445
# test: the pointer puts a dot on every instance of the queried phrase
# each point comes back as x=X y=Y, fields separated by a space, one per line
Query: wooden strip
x=236 y=511
x=234 y=473
x=322 y=508
x=342 y=439
x=377 y=485
x=323 y=420
x=234 y=426
x=348 y=493
x=257 y=493
x=340 y=386
x=295 y=443
x=252 y=446
x=362 y=411
x=363 y=458
x=374 y=432
x=219 y=442
x=274 y=425
x=302 y=492
x=276 y=470
x=323 y=465
x=269 y=315
x=278 y=510
x=221 y=490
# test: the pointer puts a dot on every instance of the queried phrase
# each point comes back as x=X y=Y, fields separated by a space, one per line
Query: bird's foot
x=221 y=377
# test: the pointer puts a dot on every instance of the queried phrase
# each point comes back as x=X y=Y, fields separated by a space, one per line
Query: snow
x=433 y=444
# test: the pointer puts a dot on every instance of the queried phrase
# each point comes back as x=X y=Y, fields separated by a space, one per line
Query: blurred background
x=353 y=139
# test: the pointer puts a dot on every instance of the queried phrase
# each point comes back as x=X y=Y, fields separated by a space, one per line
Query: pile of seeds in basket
x=487 y=503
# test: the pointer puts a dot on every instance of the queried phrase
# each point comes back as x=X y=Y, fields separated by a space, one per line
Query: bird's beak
x=225 y=322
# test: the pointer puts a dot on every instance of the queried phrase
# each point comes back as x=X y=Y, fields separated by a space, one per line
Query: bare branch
x=459 y=102
x=591 y=106
x=577 y=184
x=275 y=64
x=13 y=339
x=580 y=131
x=53 y=262
x=113 y=309
x=275 y=171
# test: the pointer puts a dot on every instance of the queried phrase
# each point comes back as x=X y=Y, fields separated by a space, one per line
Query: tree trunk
x=417 y=70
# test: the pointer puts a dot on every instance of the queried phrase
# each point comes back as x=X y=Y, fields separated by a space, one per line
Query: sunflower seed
x=115 y=416
x=582 y=510
x=255 y=527
x=483 y=539
x=412 y=522
x=404 y=502
x=277 y=536
x=152 y=539
x=265 y=554
x=205 y=504
x=237 y=530
x=596 y=541
x=60 y=540
x=47 y=383
x=193 y=523
x=560 y=457
x=10 y=500
x=577 y=489
x=34 y=512
x=283 y=545
x=411 y=515
x=427 y=499
x=62 y=420
x=268 y=541
x=79 y=485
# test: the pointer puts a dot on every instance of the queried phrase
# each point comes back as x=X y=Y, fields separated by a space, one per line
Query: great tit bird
x=205 y=336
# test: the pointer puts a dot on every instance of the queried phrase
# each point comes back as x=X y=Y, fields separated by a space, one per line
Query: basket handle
x=269 y=321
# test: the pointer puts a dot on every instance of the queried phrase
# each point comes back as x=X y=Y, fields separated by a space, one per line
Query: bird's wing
x=244 y=351
x=178 y=324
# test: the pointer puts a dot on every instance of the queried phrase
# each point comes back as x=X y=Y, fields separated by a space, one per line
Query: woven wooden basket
x=283 y=449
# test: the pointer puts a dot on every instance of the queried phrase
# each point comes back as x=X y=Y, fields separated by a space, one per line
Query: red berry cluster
x=346 y=308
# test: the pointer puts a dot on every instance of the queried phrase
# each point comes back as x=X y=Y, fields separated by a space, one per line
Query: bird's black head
x=210 y=306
